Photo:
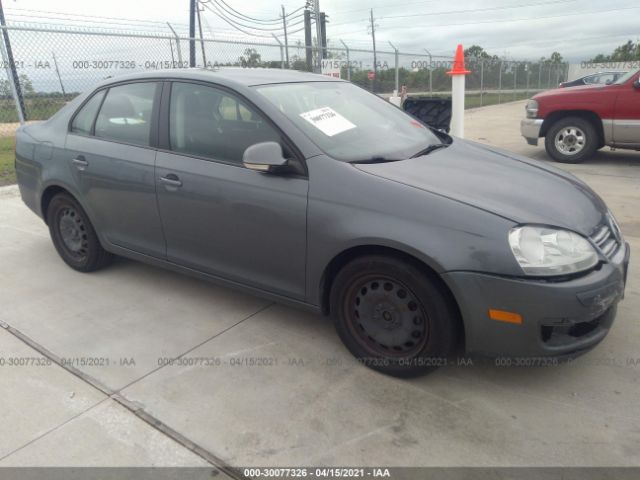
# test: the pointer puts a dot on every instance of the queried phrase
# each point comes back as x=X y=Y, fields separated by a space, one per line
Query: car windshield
x=348 y=123
x=625 y=78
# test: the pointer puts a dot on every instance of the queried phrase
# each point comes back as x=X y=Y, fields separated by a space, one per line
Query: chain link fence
x=53 y=65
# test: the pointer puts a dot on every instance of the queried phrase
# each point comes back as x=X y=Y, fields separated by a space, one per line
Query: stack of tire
x=434 y=111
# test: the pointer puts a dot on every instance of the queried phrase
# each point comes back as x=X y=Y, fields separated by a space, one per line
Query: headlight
x=543 y=251
x=532 y=109
x=616 y=227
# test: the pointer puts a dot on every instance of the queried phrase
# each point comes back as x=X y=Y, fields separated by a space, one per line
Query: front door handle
x=171 y=180
x=80 y=162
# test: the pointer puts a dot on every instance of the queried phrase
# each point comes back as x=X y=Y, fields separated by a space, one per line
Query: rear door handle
x=80 y=162
x=171 y=180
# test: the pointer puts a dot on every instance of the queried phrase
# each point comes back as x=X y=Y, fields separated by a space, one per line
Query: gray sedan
x=311 y=191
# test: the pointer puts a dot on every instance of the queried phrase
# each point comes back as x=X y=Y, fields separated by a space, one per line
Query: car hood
x=512 y=186
x=576 y=89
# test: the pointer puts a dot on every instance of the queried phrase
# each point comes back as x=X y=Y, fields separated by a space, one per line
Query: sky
x=515 y=29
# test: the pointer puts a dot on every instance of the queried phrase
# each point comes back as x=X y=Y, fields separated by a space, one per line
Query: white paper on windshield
x=328 y=121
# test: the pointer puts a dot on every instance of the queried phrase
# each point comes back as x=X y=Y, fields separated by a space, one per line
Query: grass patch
x=7 y=161
x=38 y=108
x=473 y=101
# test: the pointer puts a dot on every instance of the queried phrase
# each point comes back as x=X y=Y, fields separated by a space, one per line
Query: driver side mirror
x=636 y=84
x=265 y=157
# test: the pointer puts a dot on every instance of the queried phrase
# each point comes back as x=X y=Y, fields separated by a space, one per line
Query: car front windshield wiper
x=429 y=149
x=376 y=160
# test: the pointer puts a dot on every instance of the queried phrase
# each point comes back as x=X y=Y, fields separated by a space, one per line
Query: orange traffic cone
x=458 y=63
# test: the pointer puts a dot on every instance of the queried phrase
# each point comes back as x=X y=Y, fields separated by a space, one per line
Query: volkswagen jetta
x=311 y=191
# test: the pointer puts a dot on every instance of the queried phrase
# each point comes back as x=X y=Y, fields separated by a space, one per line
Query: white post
x=457 y=73
x=457 y=105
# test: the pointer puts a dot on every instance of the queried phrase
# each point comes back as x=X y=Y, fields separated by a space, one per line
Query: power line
x=64 y=14
x=272 y=28
x=472 y=10
x=241 y=27
x=216 y=9
x=81 y=22
x=341 y=12
x=235 y=13
x=502 y=21
x=478 y=10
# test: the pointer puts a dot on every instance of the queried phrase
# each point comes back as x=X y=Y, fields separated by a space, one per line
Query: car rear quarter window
x=213 y=123
x=125 y=115
x=83 y=121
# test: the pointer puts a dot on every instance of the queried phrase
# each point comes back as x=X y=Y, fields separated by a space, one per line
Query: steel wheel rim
x=386 y=317
x=73 y=233
x=570 y=140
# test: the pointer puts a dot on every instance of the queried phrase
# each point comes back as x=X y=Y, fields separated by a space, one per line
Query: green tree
x=250 y=59
x=554 y=59
x=628 y=51
x=5 y=89
x=27 y=86
x=477 y=52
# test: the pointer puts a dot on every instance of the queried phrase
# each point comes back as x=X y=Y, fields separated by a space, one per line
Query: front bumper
x=559 y=318
x=530 y=129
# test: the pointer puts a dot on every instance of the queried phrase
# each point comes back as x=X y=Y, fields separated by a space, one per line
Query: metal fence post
x=500 y=84
x=527 y=67
x=12 y=75
x=281 y=51
x=515 y=81
x=430 y=71
x=481 y=80
x=539 y=76
x=177 y=45
x=397 y=65
x=348 y=61
x=12 y=85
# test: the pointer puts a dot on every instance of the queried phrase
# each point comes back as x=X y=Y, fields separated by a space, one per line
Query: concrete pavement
x=254 y=383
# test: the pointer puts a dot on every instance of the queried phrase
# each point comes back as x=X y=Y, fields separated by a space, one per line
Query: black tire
x=579 y=135
x=408 y=323
x=73 y=235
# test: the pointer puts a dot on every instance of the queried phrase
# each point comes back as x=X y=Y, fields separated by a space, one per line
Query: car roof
x=229 y=76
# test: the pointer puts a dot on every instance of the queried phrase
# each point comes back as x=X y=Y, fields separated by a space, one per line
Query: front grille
x=606 y=239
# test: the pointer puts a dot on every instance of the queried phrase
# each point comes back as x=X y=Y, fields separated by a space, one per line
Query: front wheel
x=571 y=140
x=73 y=235
x=393 y=317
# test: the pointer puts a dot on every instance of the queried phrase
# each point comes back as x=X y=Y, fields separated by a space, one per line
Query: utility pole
x=204 y=57
x=55 y=62
x=192 y=33
x=375 y=60
x=286 y=41
x=316 y=5
x=308 y=46
x=12 y=66
x=323 y=34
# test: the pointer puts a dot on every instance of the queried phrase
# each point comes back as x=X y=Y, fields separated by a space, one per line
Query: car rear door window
x=125 y=115
x=213 y=123
x=83 y=121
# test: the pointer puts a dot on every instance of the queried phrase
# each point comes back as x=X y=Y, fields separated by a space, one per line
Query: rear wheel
x=393 y=317
x=73 y=235
x=571 y=140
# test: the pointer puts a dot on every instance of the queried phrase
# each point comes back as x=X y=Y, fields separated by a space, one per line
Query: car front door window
x=209 y=122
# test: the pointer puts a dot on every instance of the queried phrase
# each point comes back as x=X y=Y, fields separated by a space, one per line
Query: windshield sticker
x=328 y=121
